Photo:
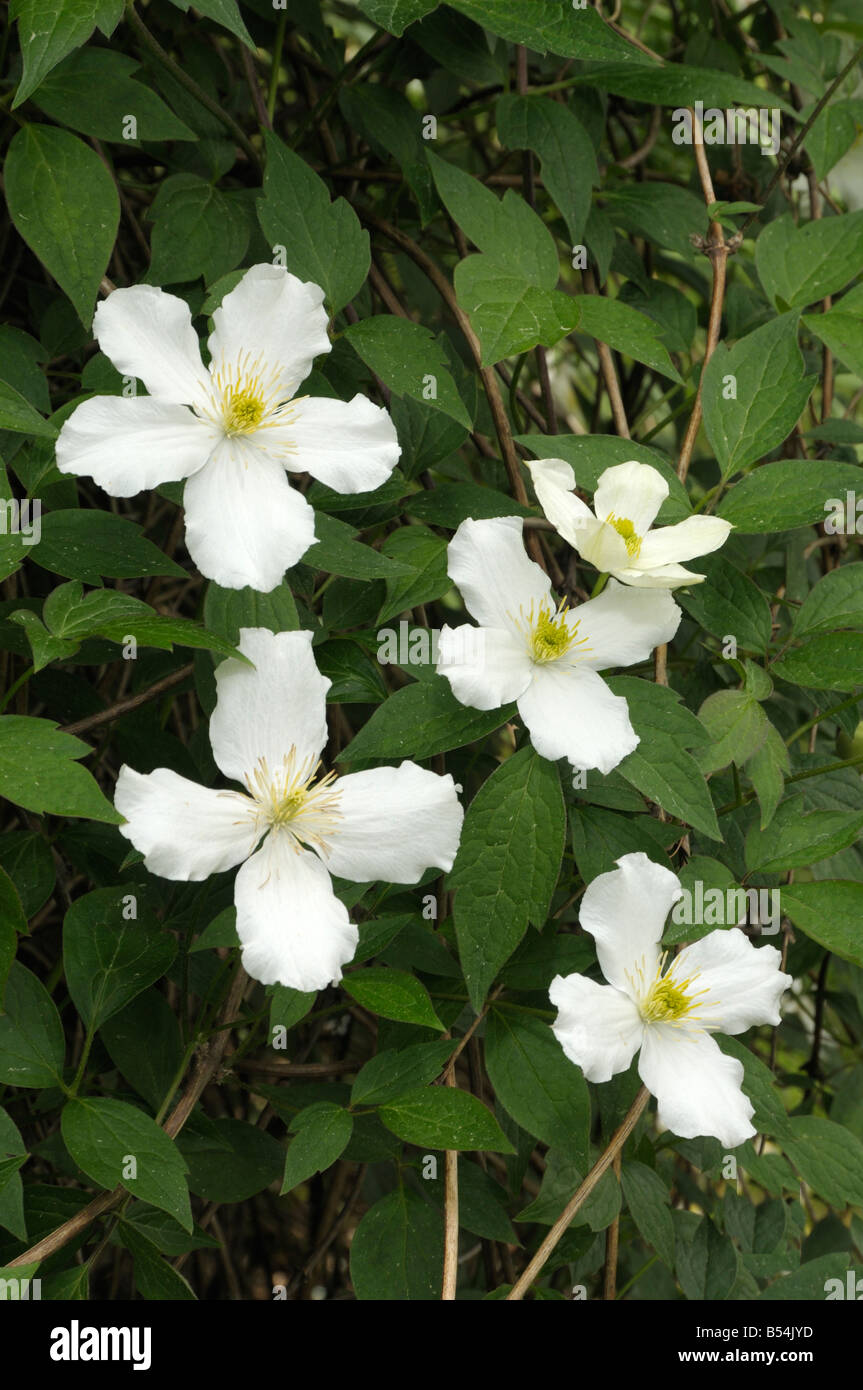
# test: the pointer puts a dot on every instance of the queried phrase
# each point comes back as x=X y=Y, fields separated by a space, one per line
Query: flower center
x=666 y=999
x=244 y=396
x=286 y=799
x=243 y=411
x=551 y=634
x=625 y=529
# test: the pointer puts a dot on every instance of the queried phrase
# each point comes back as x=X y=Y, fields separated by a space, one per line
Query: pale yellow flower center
x=626 y=530
x=667 y=999
x=246 y=396
x=288 y=798
x=550 y=634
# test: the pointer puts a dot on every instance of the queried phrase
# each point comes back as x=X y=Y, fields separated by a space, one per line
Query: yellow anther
x=625 y=529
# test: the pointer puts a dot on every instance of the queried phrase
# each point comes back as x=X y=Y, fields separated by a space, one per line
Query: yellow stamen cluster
x=666 y=999
x=286 y=799
x=244 y=395
x=549 y=632
x=626 y=530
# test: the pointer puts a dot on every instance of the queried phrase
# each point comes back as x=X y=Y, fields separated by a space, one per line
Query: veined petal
x=697 y=535
x=742 y=984
x=697 y=1086
x=486 y=667
x=499 y=584
x=393 y=823
x=553 y=483
x=630 y=491
x=148 y=334
x=571 y=713
x=184 y=831
x=663 y=577
x=294 y=930
x=623 y=625
x=625 y=911
x=245 y=524
x=126 y=445
x=598 y=1027
x=275 y=319
x=265 y=710
x=601 y=546
x=350 y=446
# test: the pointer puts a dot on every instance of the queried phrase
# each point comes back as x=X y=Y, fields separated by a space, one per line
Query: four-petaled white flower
x=544 y=656
x=616 y=536
x=721 y=983
x=267 y=732
x=230 y=429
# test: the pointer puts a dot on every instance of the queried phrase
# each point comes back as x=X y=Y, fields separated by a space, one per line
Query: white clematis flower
x=267 y=732
x=230 y=429
x=544 y=656
x=721 y=983
x=616 y=536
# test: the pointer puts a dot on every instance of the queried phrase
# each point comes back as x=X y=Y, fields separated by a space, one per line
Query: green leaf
x=405 y=355
x=48 y=32
x=443 y=1117
x=707 y=1264
x=390 y=1074
x=830 y=911
x=392 y=994
x=155 y=1278
x=828 y=661
x=425 y=555
x=110 y=956
x=387 y=118
x=337 y=552
x=507 y=865
x=396 y=15
x=801 y=264
x=600 y=837
x=836 y=601
x=546 y=26
x=841 y=329
x=808 y=1282
x=515 y=238
x=227 y=610
x=613 y=322
x=116 y=616
x=535 y=1082
x=38 y=771
x=767 y=770
x=766 y=375
x=325 y=242
x=397 y=1250
x=737 y=726
x=796 y=839
x=420 y=720
x=728 y=603
x=102 y=1136
x=152 y=1070
x=32 y=1046
x=450 y=503
x=198 y=230
x=17 y=414
x=87 y=544
x=224 y=12
x=12 y=1194
x=508 y=314
x=323 y=1132
x=230 y=1160
x=828 y=1157
x=647 y=1197
x=63 y=202
x=92 y=91
x=568 y=162
x=791 y=492
x=661 y=768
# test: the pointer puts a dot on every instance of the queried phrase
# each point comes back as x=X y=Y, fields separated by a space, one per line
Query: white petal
x=598 y=1027
x=351 y=446
x=184 y=831
x=499 y=584
x=697 y=535
x=394 y=823
x=293 y=928
x=571 y=713
x=744 y=983
x=126 y=445
x=486 y=667
x=631 y=492
x=623 y=625
x=697 y=1085
x=663 y=577
x=245 y=524
x=148 y=334
x=263 y=711
x=601 y=546
x=553 y=483
x=625 y=912
x=275 y=319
